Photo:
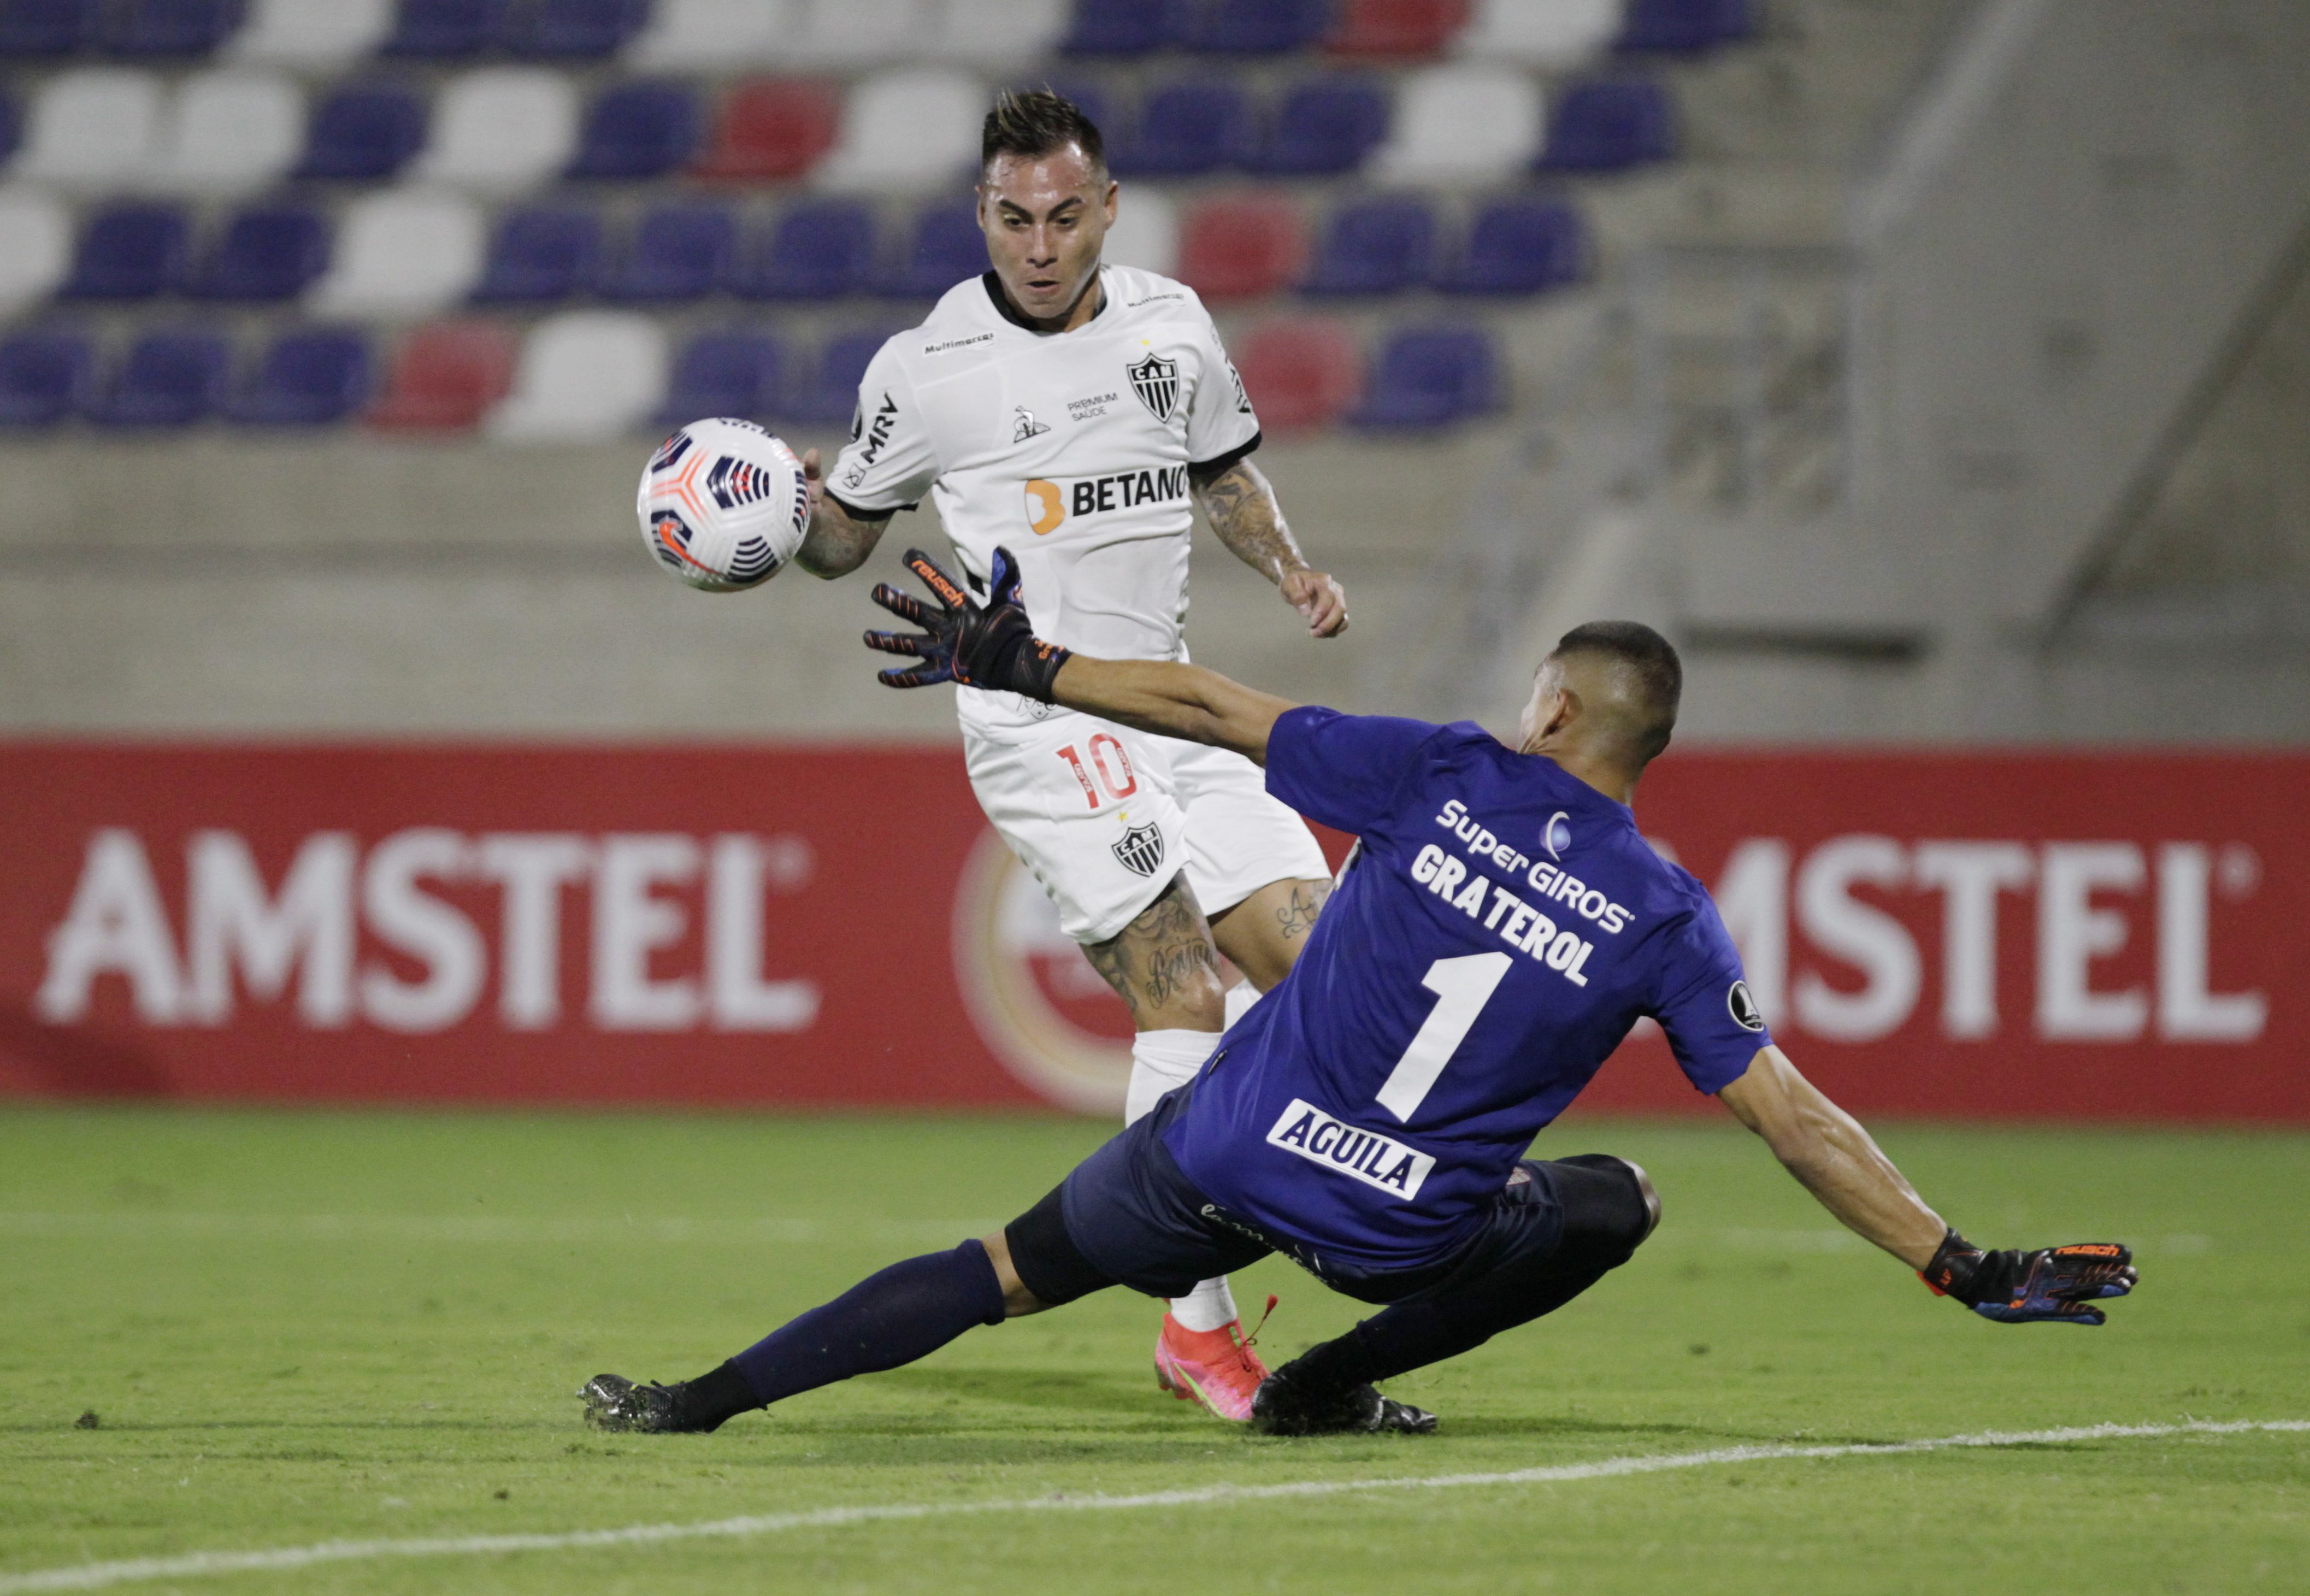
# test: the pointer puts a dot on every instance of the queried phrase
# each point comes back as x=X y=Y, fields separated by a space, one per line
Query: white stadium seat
x=584 y=374
x=1146 y=231
x=1558 y=33
x=402 y=254
x=1461 y=124
x=996 y=32
x=93 y=129
x=859 y=33
x=230 y=131
x=501 y=129
x=318 y=33
x=715 y=36
x=909 y=130
x=35 y=247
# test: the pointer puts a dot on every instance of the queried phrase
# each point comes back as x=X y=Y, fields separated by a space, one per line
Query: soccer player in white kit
x=1076 y=412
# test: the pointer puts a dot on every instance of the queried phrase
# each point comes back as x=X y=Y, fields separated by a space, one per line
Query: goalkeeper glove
x=989 y=645
x=2056 y=1285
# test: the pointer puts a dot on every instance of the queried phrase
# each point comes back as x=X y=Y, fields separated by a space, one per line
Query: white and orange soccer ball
x=723 y=504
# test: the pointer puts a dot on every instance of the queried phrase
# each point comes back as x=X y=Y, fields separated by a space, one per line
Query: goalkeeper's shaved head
x=1608 y=693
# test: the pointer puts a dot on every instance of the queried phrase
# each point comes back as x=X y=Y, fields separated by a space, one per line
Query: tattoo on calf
x=1158 y=956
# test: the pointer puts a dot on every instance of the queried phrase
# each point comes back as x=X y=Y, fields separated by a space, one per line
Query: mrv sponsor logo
x=1050 y=505
x=1377 y=1160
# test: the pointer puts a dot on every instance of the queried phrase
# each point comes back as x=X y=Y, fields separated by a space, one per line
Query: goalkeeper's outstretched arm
x=1172 y=701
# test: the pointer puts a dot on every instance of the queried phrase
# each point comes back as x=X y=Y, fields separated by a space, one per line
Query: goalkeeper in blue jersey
x=1499 y=927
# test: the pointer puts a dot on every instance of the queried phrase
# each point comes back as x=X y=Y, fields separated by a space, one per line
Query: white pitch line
x=506 y=1229
x=93 y=1576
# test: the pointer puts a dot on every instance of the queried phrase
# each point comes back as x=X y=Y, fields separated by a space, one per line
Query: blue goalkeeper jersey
x=1502 y=926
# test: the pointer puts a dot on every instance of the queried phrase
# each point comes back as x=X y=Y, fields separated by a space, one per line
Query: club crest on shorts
x=1141 y=850
x=1156 y=381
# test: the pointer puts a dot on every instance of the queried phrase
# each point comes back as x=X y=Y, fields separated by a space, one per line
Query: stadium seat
x=11 y=127
x=500 y=129
x=1242 y=247
x=314 y=34
x=830 y=397
x=821 y=250
x=540 y=255
x=1562 y=33
x=43 y=378
x=1431 y=376
x=1461 y=123
x=854 y=34
x=231 y=132
x=313 y=377
x=996 y=33
x=1395 y=30
x=637 y=130
x=1186 y=129
x=266 y=253
x=711 y=35
x=1146 y=231
x=1609 y=126
x=1519 y=247
x=167 y=27
x=676 y=252
x=37 y=27
x=1246 y=27
x=1115 y=28
x=36 y=248
x=584 y=375
x=1300 y=375
x=91 y=128
x=130 y=252
x=575 y=29
x=362 y=133
x=1374 y=246
x=732 y=371
x=401 y=254
x=908 y=131
x=943 y=247
x=1323 y=126
x=445 y=29
x=1682 y=27
x=169 y=378
x=447 y=377
x=771 y=129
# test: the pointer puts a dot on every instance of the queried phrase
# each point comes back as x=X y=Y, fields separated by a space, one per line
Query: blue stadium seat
x=47 y=27
x=1682 y=27
x=1247 y=27
x=943 y=247
x=1115 y=28
x=1186 y=129
x=638 y=130
x=310 y=378
x=676 y=252
x=1431 y=376
x=267 y=253
x=12 y=127
x=830 y=397
x=43 y=378
x=732 y=371
x=1377 y=247
x=1520 y=247
x=363 y=133
x=129 y=252
x=822 y=251
x=1609 y=126
x=169 y=27
x=576 y=28
x=539 y=255
x=445 y=29
x=169 y=379
x=1323 y=125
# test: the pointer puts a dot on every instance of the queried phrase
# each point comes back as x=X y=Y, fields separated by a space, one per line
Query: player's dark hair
x=1652 y=666
x=1035 y=123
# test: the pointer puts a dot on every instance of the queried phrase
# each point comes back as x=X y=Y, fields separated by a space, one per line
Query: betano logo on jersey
x=1050 y=504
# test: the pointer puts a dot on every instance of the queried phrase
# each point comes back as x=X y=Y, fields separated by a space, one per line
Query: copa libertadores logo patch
x=1141 y=850
x=1743 y=1002
x=1156 y=381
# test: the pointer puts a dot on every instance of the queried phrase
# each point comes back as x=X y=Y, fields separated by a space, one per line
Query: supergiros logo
x=1050 y=505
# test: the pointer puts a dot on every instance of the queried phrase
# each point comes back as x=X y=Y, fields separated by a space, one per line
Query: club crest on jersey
x=1024 y=425
x=1141 y=850
x=1156 y=381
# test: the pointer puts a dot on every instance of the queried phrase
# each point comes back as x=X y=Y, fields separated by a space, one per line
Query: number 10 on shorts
x=1107 y=758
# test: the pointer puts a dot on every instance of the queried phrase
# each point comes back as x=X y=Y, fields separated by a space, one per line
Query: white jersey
x=1071 y=449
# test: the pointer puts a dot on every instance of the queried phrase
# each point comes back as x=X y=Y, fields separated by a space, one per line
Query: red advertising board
x=2091 y=936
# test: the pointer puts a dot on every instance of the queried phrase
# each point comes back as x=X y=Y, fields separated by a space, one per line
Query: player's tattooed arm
x=1241 y=504
x=838 y=541
x=1163 y=963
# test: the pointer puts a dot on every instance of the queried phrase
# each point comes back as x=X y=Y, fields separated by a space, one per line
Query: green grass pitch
x=301 y=1328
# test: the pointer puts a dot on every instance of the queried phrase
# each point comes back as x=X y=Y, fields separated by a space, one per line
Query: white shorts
x=1104 y=817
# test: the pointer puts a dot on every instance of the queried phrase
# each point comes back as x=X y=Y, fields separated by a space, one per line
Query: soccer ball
x=723 y=504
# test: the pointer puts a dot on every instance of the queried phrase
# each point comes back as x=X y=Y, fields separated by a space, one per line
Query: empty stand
x=996 y=33
x=1431 y=376
x=1242 y=247
x=540 y=255
x=313 y=377
x=637 y=130
x=584 y=375
x=1609 y=125
x=821 y=250
x=575 y=29
x=266 y=253
x=166 y=28
x=44 y=377
x=1146 y=231
x=1519 y=247
x=362 y=133
x=711 y=35
x=1246 y=27
x=1683 y=27
x=169 y=377
x=1186 y=129
x=908 y=131
x=501 y=130
x=1375 y=247
x=91 y=128
x=12 y=127
x=447 y=377
x=1115 y=28
x=676 y=252
x=401 y=254
x=829 y=397
x=1396 y=29
x=314 y=34
x=1558 y=34
x=1301 y=374
x=36 y=28
x=130 y=252
x=445 y=29
x=231 y=132
x=855 y=33
x=36 y=248
x=771 y=129
x=1463 y=124
x=1323 y=126
x=730 y=371
x=943 y=247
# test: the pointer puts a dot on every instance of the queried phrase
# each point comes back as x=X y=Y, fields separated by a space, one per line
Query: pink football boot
x=1215 y=1367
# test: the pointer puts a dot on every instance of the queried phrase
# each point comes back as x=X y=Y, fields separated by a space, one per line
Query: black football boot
x=1286 y=1406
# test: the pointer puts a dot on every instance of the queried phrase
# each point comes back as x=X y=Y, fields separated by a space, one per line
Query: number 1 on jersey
x=1462 y=986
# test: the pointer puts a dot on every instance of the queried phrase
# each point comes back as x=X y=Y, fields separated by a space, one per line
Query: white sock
x=1239 y=1000
x=1210 y=1305
x=1159 y=1060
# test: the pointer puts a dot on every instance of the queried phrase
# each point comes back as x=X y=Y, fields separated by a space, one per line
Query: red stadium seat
x=1300 y=375
x=447 y=377
x=1395 y=30
x=1242 y=248
x=772 y=128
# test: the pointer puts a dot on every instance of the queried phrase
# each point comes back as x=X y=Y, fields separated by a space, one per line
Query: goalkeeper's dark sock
x=1340 y=1364
x=907 y=1311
